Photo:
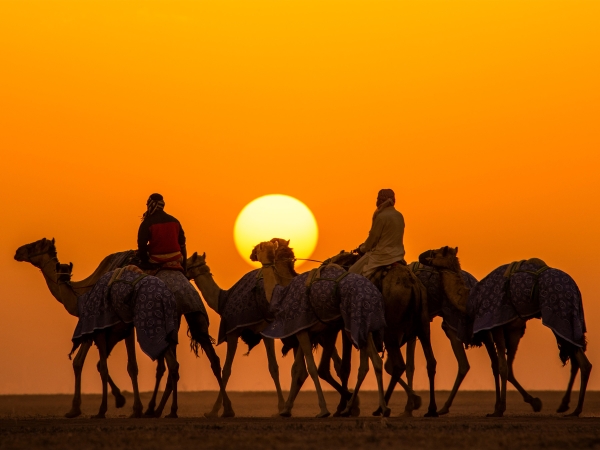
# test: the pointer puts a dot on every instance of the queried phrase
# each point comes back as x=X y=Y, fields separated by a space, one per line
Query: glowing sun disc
x=279 y=216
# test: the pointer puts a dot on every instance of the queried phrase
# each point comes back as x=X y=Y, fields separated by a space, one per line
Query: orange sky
x=482 y=116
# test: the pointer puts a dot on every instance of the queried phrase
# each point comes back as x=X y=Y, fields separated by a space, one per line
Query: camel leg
x=160 y=371
x=343 y=372
x=395 y=367
x=512 y=343
x=78 y=362
x=215 y=364
x=377 y=367
x=100 y=340
x=463 y=366
x=491 y=349
x=305 y=345
x=173 y=365
x=324 y=370
x=410 y=361
x=116 y=392
x=132 y=370
x=171 y=385
x=431 y=367
x=564 y=404
x=498 y=336
x=274 y=371
x=363 y=369
x=586 y=368
x=299 y=376
x=232 y=342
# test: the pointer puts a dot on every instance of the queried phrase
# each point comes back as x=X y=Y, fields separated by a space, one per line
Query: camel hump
x=536 y=262
x=111 y=262
x=515 y=266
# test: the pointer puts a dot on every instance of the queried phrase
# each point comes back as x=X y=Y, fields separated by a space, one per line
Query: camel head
x=64 y=272
x=265 y=253
x=33 y=253
x=282 y=245
x=196 y=266
x=443 y=258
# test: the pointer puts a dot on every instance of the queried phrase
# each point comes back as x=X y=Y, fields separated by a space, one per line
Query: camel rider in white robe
x=384 y=246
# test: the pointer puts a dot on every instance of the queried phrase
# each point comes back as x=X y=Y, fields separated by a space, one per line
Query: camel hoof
x=323 y=415
x=406 y=414
x=573 y=414
x=171 y=415
x=98 y=416
x=377 y=412
x=536 y=404
x=157 y=414
x=387 y=412
x=149 y=413
x=228 y=414
x=431 y=414
x=495 y=414
x=211 y=414
x=136 y=415
x=443 y=411
x=417 y=402
x=73 y=413
x=119 y=400
x=285 y=414
x=563 y=408
x=355 y=412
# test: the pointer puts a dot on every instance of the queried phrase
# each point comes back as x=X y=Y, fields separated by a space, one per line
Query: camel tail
x=251 y=339
x=566 y=349
x=196 y=341
x=76 y=344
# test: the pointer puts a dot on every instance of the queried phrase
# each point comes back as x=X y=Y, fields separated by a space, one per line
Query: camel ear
x=445 y=251
x=204 y=255
x=57 y=266
x=276 y=245
x=52 y=240
x=288 y=242
x=456 y=251
x=195 y=255
x=70 y=267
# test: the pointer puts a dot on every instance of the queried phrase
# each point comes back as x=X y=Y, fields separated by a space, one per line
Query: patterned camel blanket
x=437 y=302
x=356 y=300
x=186 y=296
x=557 y=300
x=244 y=305
x=147 y=303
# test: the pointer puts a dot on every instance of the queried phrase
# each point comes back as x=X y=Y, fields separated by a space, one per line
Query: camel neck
x=209 y=290
x=284 y=275
x=455 y=289
x=61 y=292
x=270 y=280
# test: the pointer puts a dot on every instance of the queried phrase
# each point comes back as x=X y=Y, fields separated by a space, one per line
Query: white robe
x=385 y=244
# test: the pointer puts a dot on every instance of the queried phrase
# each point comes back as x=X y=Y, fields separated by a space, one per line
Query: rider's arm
x=374 y=235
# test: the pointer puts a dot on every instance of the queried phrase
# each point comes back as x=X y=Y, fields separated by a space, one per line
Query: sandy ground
x=35 y=421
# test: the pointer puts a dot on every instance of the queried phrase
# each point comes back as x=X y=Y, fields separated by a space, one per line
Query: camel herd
x=392 y=309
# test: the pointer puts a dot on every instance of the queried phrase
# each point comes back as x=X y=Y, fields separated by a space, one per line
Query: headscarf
x=385 y=194
x=155 y=203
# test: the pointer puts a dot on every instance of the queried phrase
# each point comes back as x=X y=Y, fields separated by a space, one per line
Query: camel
x=116 y=294
x=42 y=254
x=250 y=332
x=524 y=290
x=452 y=318
x=199 y=271
x=272 y=279
x=407 y=318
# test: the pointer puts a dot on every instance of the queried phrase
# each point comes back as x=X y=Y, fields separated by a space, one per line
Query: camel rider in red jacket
x=161 y=240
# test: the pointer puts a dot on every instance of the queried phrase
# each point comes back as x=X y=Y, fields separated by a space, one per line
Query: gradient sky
x=483 y=116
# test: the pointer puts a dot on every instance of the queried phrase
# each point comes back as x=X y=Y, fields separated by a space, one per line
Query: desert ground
x=35 y=421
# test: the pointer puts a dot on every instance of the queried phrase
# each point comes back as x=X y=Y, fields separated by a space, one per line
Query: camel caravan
x=370 y=297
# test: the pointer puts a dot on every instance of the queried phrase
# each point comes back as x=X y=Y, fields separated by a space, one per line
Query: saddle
x=381 y=272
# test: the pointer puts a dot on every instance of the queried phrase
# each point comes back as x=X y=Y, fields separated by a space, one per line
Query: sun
x=278 y=216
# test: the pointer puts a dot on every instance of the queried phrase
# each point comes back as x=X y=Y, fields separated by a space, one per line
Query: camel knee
x=132 y=369
x=102 y=368
x=463 y=369
x=363 y=370
x=377 y=365
x=78 y=366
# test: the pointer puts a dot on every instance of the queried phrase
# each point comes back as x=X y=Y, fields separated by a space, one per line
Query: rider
x=161 y=240
x=384 y=246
